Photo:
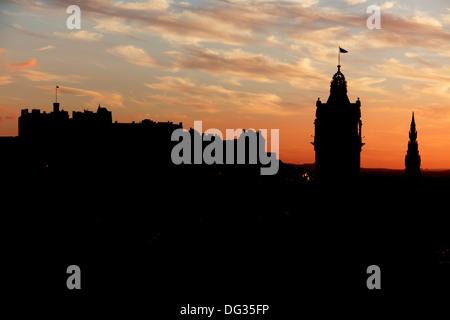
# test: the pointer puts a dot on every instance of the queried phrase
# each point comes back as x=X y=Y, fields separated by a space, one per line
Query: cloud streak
x=211 y=98
x=21 y=29
x=109 y=98
x=82 y=35
x=22 y=65
x=133 y=55
x=41 y=76
x=6 y=79
x=240 y=64
x=49 y=47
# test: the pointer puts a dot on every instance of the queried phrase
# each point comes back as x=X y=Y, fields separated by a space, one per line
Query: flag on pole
x=339 y=56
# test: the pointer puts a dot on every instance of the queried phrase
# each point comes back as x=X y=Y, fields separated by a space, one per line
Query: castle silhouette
x=91 y=143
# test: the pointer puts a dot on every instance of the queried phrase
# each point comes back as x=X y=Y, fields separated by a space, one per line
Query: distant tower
x=412 y=158
x=56 y=104
x=337 y=139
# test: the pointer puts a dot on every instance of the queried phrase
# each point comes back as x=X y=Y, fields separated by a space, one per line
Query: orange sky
x=237 y=64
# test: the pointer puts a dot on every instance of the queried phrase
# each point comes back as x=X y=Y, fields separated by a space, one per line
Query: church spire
x=412 y=158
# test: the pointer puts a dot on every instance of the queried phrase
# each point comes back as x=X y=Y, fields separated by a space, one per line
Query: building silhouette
x=412 y=158
x=90 y=144
x=337 y=139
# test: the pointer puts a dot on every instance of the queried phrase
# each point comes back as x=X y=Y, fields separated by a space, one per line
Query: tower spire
x=412 y=158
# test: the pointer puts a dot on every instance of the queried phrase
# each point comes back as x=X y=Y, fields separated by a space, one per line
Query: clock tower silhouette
x=337 y=139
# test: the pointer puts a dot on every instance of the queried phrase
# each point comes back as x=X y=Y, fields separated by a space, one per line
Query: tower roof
x=338 y=88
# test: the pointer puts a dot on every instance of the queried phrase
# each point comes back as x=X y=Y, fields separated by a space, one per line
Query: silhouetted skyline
x=235 y=65
x=98 y=181
x=57 y=141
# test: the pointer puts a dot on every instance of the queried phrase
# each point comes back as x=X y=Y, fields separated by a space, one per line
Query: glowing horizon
x=233 y=64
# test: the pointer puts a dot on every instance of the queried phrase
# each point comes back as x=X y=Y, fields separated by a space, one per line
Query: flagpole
x=339 y=57
x=56 y=94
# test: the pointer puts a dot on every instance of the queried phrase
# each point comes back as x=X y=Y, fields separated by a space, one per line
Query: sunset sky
x=237 y=64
